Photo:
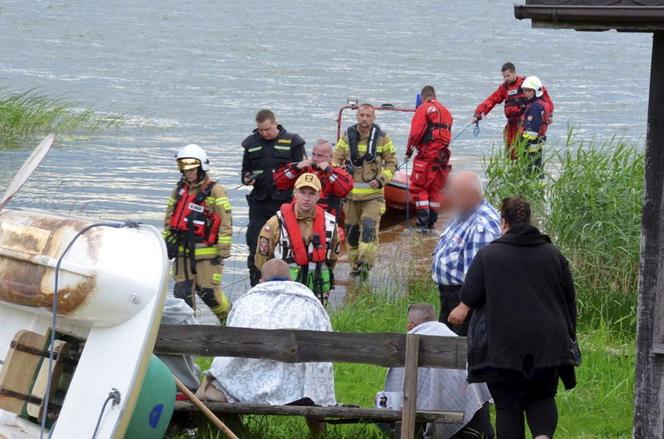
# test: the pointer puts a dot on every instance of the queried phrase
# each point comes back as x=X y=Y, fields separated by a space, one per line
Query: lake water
x=198 y=71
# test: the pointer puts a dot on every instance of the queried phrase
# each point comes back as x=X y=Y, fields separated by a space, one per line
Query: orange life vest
x=192 y=217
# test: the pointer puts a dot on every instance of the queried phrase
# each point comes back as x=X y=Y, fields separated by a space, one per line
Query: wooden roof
x=594 y=15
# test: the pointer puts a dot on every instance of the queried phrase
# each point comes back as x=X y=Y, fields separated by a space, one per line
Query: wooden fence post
x=409 y=409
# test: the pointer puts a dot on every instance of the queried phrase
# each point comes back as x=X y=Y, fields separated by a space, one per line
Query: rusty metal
x=20 y=396
x=29 y=249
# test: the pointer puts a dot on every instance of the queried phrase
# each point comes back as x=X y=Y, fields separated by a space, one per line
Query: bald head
x=275 y=269
x=420 y=313
x=465 y=191
x=322 y=152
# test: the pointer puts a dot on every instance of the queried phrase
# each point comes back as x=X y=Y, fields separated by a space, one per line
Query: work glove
x=171 y=245
x=478 y=116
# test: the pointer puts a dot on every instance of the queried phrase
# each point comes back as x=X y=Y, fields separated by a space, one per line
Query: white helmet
x=533 y=83
x=191 y=157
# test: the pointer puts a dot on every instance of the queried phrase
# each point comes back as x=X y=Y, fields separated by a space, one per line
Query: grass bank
x=600 y=407
x=31 y=113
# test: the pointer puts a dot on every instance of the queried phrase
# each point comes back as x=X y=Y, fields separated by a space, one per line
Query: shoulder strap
x=353 y=137
x=295 y=238
x=204 y=192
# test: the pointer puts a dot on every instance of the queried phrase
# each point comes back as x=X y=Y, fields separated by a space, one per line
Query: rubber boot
x=422 y=218
x=433 y=217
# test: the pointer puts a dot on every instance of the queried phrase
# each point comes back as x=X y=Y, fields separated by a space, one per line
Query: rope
x=407 y=197
x=113 y=395
x=476 y=130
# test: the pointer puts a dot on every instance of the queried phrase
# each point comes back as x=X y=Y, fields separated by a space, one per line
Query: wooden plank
x=18 y=372
x=298 y=346
x=658 y=348
x=360 y=414
x=649 y=399
x=410 y=387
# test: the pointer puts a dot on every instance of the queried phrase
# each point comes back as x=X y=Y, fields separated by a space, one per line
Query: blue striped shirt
x=461 y=241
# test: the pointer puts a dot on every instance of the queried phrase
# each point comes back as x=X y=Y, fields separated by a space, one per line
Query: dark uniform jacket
x=261 y=157
x=522 y=293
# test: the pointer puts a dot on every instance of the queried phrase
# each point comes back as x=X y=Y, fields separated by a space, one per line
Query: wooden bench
x=298 y=346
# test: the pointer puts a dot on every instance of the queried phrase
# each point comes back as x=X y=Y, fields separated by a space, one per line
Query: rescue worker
x=511 y=92
x=305 y=236
x=198 y=231
x=269 y=147
x=370 y=157
x=532 y=129
x=430 y=134
x=336 y=182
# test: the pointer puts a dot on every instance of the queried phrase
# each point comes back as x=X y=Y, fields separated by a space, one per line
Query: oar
x=206 y=411
x=27 y=169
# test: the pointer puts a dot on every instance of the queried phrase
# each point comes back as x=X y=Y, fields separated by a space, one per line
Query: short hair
x=275 y=269
x=515 y=211
x=428 y=92
x=419 y=313
x=366 y=105
x=508 y=66
x=264 y=115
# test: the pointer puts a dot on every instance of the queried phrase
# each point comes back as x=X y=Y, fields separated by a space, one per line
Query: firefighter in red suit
x=511 y=92
x=336 y=182
x=430 y=134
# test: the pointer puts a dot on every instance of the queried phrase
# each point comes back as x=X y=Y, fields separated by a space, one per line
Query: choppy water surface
x=198 y=71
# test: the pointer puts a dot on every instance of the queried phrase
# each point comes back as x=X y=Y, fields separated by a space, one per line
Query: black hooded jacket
x=522 y=293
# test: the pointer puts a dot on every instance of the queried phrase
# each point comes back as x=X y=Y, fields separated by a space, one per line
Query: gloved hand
x=478 y=116
x=171 y=245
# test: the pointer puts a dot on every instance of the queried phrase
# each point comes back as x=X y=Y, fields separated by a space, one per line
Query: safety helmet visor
x=185 y=164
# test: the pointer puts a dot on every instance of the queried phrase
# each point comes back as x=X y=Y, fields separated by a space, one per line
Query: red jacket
x=431 y=126
x=515 y=100
x=336 y=183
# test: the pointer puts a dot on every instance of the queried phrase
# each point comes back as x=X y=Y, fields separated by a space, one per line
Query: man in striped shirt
x=476 y=223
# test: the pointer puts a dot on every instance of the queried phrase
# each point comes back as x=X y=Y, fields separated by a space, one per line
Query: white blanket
x=276 y=305
x=441 y=389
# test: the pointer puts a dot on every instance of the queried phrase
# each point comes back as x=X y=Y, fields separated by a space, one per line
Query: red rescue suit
x=515 y=104
x=336 y=184
x=430 y=134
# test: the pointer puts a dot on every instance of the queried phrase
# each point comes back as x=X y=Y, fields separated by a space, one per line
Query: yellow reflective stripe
x=171 y=201
x=225 y=240
x=282 y=148
x=216 y=277
x=342 y=145
x=365 y=191
x=222 y=201
x=530 y=135
x=166 y=233
x=202 y=251
x=388 y=174
x=258 y=148
x=389 y=147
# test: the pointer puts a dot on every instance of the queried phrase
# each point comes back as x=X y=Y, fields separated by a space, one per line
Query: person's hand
x=458 y=315
x=304 y=164
x=477 y=116
x=249 y=179
x=323 y=166
x=375 y=184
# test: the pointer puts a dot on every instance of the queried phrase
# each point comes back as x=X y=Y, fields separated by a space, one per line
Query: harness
x=515 y=103
x=369 y=156
x=309 y=261
x=192 y=222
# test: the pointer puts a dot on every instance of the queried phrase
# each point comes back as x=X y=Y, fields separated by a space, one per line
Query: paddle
x=27 y=169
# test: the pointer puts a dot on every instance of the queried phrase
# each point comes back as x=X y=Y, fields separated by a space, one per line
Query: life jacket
x=515 y=101
x=369 y=156
x=309 y=262
x=437 y=130
x=192 y=218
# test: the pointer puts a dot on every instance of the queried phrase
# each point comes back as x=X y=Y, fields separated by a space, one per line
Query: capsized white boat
x=111 y=286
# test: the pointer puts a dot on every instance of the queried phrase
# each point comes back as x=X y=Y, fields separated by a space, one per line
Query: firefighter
x=198 y=231
x=430 y=134
x=370 y=157
x=269 y=147
x=336 y=182
x=532 y=129
x=511 y=92
x=305 y=236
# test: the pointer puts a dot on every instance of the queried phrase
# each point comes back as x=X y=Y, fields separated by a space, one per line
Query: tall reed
x=589 y=202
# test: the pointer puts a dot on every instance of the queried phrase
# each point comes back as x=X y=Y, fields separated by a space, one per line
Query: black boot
x=422 y=220
x=433 y=217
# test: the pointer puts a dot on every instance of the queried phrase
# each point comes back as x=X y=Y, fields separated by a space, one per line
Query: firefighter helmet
x=191 y=157
x=533 y=83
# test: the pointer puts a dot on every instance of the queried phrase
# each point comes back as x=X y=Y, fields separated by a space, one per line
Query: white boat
x=112 y=283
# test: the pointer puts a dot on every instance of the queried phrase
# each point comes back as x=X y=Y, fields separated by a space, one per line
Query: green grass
x=600 y=407
x=31 y=113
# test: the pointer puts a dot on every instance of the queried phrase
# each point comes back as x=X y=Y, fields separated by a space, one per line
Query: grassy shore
x=31 y=113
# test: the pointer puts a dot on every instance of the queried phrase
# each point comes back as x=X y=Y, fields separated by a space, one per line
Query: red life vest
x=192 y=217
x=439 y=123
x=297 y=245
x=515 y=100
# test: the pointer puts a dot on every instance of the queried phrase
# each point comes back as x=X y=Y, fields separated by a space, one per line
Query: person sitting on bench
x=275 y=303
x=444 y=389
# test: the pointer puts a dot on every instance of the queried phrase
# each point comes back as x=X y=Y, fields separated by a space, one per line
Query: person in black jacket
x=269 y=147
x=522 y=335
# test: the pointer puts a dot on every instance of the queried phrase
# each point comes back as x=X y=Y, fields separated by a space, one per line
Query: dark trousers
x=259 y=212
x=449 y=299
x=532 y=398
